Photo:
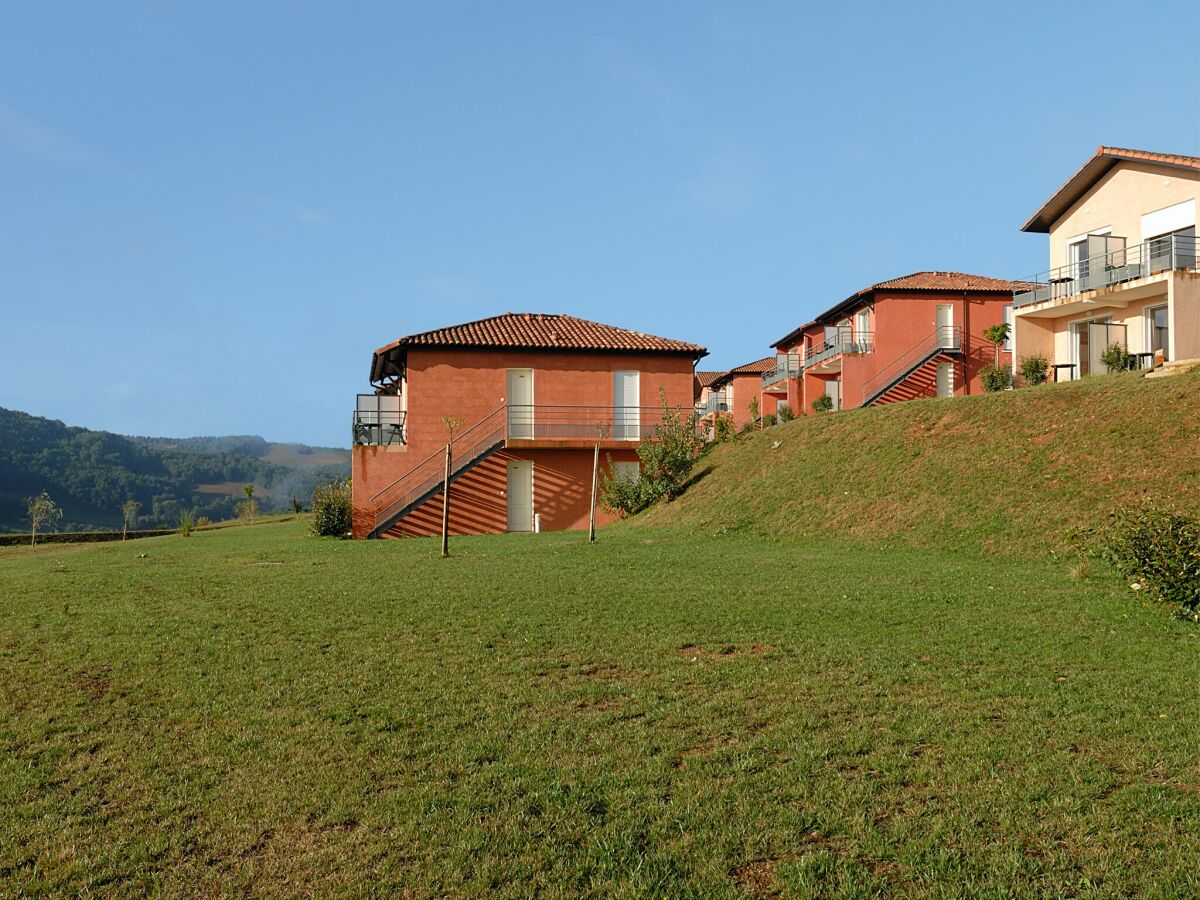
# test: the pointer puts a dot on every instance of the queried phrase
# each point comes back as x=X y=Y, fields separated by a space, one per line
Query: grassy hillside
x=252 y=711
x=1009 y=472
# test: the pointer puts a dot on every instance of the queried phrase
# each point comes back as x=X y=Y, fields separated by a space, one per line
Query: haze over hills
x=90 y=474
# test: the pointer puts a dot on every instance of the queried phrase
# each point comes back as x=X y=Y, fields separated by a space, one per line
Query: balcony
x=838 y=342
x=584 y=426
x=378 y=420
x=712 y=404
x=1116 y=264
x=787 y=365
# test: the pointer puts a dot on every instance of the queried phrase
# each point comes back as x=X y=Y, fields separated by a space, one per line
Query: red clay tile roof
x=706 y=378
x=918 y=282
x=766 y=364
x=537 y=331
x=1102 y=161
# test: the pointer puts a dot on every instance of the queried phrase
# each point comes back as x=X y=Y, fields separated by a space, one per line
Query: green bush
x=1116 y=358
x=666 y=461
x=1158 y=550
x=995 y=378
x=331 y=509
x=723 y=430
x=784 y=412
x=185 y=522
x=824 y=403
x=768 y=420
x=1035 y=369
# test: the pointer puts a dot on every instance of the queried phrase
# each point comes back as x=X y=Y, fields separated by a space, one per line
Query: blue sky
x=211 y=213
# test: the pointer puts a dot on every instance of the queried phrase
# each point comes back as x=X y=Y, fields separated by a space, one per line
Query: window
x=627 y=469
x=862 y=328
x=1159 y=335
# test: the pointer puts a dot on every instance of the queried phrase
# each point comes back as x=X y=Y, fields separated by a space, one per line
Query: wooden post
x=446 y=506
x=592 y=514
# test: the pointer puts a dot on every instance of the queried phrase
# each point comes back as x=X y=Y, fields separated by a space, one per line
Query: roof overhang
x=1103 y=161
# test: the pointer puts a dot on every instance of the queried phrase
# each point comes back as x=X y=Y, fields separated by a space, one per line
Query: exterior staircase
x=946 y=340
x=424 y=480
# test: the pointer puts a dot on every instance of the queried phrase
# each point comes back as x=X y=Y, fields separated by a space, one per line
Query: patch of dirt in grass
x=758 y=878
x=266 y=563
x=727 y=651
x=94 y=684
x=597 y=706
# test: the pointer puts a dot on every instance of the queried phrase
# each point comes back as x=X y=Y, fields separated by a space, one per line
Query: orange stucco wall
x=897 y=323
x=471 y=385
x=479 y=501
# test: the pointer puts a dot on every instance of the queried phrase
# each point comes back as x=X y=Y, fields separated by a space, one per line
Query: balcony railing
x=713 y=403
x=787 y=365
x=378 y=420
x=573 y=423
x=836 y=344
x=1114 y=266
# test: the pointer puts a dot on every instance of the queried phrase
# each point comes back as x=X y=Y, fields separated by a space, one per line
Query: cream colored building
x=1123 y=265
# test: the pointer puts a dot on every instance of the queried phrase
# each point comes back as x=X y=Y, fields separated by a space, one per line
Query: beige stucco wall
x=1119 y=200
x=1184 y=288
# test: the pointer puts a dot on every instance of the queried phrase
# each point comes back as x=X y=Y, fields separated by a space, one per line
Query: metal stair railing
x=465 y=450
x=944 y=339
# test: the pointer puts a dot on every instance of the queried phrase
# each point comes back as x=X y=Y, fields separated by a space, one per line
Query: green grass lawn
x=251 y=710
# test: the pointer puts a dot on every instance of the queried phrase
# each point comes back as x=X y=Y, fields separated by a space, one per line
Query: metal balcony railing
x=378 y=420
x=1114 y=266
x=842 y=341
x=787 y=365
x=713 y=403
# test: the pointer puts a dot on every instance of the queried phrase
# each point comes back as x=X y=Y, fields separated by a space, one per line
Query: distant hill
x=92 y=473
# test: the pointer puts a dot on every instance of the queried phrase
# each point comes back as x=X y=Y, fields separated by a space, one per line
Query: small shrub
x=995 y=378
x=723 y=430
x=1035 y=369
x=202 y=521
x=784 y=412
x=824 y=403
x=331 y=508
x=1116 y=358
x=1158 y=550
x=297 y=506
x=768 y=420
x=666 y=464
x=247 y=510
x=185 y=523
x=753 y=407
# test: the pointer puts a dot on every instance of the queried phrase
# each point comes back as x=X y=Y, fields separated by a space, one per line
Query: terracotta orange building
x=731 y=394
x=916 y=336
x=532 y=395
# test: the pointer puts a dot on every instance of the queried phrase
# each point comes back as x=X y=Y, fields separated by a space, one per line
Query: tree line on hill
x=92 y=474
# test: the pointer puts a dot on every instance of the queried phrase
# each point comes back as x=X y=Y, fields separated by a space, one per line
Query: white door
x=520 y=403
x=945 y=379
x=833 y=390
x=520 y=495
x=626 y=402
x=945 y=325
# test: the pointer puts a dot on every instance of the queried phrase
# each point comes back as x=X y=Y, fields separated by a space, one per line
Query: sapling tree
x=248 y=508
x=129 y=511
x=998 y=334
x=41 y=511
